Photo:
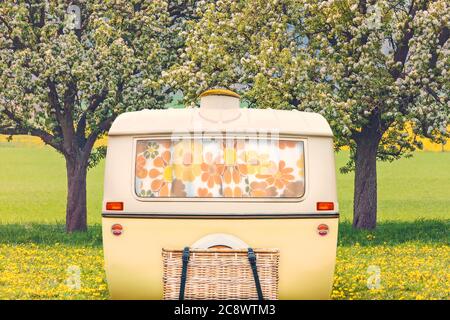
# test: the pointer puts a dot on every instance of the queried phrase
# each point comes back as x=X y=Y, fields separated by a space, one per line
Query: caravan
x=220 y=177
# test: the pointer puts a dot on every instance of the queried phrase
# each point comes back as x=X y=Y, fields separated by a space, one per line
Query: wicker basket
x=219 y=274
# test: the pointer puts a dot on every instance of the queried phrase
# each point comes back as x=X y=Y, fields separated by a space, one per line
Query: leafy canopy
x=65 y=76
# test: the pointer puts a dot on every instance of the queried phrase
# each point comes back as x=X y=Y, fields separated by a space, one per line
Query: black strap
x=252 y=259
x=184 y=272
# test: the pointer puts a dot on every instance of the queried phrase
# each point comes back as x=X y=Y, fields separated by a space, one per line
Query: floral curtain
x=231 y=168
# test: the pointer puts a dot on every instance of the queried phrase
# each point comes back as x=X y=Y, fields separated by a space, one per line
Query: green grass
x=410 y=244
x=408 y=189
x=387 y=233
x=33 y=186
x=49 y=234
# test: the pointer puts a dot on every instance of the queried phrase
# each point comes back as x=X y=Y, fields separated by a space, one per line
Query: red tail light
x=116 y=229
x=321 y=206
x=322 y=229
x=117 y=206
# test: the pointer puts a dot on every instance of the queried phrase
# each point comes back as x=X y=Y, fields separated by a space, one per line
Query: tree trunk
x=76 y=212
x=365 y=194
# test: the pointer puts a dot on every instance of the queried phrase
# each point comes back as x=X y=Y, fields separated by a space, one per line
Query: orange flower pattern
x=161 y=174
x=281 y=177
x=211 y=168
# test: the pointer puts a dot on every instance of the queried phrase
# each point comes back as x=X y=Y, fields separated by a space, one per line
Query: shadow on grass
x=396 y=232
x=50 y=234
x=386 y=233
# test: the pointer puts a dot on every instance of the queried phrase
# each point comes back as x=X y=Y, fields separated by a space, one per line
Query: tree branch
x=104 y=125
x=434 y=95
x=21 y=128
x=442 y=39
x=17 y=44
x=362 y=6
x=66 y=123
x=383 y=153
x=53 y=98
x=402 y=51
x=102 y=128
x=6 y=24
x=94 y=103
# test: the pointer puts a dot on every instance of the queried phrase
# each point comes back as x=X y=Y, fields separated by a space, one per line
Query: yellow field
x=31 y=271
x=61 y=271
x=35 y=141
x=409 y=271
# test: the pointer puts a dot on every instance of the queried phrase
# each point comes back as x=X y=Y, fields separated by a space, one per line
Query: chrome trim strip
x=221 y=216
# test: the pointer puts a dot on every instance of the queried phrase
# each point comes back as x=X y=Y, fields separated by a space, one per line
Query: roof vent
x=219 y=105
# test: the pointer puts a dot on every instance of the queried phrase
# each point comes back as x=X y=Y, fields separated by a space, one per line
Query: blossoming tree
x=66 y=72
x=375 y=69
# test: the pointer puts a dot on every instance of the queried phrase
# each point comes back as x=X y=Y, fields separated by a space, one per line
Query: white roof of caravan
x=190 y=120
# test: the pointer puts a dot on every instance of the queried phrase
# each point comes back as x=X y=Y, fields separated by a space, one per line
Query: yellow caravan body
x=150 y=220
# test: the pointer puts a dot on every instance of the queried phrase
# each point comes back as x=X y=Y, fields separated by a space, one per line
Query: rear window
x=215 y=168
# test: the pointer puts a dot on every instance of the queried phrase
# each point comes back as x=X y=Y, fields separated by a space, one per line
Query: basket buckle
x=186 y=254
x=251 y=256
